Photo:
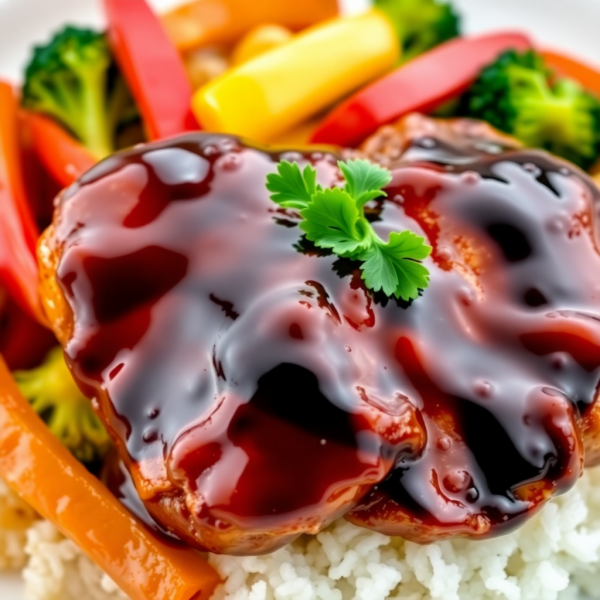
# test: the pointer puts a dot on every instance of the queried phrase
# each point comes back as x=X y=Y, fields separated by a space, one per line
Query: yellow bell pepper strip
x=63 y=156
x=281 y=88
x=44 y=473
x=203 y=23
x=421 y=85
x=152 y=67
x=18 y=230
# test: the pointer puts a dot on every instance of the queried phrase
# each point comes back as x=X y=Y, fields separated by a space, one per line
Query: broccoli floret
x=73 y=79
x=55 y=397
x=519 y=95
x=421 y=24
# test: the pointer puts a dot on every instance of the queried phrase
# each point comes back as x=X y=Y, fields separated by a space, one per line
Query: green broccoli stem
x=55 y=103
x=519 y=95
x=95 y=129
x=53 y=394
x=420 y=24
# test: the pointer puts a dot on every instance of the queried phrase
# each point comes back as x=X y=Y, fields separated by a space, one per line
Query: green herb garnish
x=335 y=219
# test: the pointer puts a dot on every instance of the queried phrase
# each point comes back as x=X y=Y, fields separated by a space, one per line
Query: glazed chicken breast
x=256 y=390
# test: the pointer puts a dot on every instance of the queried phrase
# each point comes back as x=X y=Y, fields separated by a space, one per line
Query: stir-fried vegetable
x=518 y=95
x=62 y=156
x=18 y=230
x=43 y=472
x=152 y=67
x=263 y=98
x=421 y=85
x=421 y=24
x=278 y=90
x=23 y=341
x=72 y=79
x=56 y=398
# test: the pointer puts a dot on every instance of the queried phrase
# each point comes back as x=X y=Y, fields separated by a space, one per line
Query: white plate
x=570 y=25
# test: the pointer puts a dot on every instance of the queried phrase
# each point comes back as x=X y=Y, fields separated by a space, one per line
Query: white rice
x=58 y=570
x=556 y=556
x=15 y=518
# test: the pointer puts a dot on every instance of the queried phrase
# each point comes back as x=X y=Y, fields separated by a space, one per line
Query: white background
x=570 y=25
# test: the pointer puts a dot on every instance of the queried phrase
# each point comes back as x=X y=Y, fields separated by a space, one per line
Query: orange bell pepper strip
x=18 y=231
x=63 y=156
x=152 y=67
x=44 y=473
x=207 y=22
x=566 y=66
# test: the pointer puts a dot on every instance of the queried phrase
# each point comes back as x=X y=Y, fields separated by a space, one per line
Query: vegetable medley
x=282 y=73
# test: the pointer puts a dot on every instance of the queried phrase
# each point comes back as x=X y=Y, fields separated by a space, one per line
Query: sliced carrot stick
x=586 y=75
x=45 y=474
x=61 y=154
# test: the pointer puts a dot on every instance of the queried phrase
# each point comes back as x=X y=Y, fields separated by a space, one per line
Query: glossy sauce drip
x=252 y=374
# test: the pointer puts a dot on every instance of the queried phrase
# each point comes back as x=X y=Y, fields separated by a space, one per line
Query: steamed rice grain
x=58 y=570
x=15 y=518
x=555 y=556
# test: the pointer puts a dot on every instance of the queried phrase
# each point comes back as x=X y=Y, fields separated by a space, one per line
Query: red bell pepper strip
x=422 y=84
x=61 y=154
x=18 y=231
x=586 y=75
x=152 y=67
x=24 y=343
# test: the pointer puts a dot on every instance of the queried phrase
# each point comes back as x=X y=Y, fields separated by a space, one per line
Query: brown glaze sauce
x=257 y=390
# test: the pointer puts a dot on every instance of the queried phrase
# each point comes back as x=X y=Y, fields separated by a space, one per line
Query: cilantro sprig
x=335 y=219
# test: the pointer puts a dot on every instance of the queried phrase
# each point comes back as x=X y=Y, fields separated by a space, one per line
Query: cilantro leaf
x=335 y=219
x=290 y=187
x=364 y=180
x=332 y=220
x=392 y=267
